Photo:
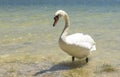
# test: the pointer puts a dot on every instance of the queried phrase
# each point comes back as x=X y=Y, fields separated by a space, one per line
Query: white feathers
x=79 y=39
x=78 y=45
x=60 y=12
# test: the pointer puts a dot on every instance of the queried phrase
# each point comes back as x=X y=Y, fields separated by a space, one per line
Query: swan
x=77 y=45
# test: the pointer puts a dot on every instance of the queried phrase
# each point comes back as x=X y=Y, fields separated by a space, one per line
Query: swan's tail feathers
x=93 y=48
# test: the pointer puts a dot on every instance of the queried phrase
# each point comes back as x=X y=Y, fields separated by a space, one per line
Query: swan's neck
x=65 y=30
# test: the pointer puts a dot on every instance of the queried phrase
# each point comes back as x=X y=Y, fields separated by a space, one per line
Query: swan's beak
x=55 y=21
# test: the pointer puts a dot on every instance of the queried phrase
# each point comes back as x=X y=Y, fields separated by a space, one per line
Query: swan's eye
x=56 y=17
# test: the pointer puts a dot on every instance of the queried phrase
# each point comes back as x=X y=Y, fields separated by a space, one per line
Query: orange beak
x=55 y=21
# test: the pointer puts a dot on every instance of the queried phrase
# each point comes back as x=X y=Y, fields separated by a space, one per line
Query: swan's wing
x=81 y=40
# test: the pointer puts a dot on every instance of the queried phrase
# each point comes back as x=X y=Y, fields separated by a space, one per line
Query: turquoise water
x=28 y=29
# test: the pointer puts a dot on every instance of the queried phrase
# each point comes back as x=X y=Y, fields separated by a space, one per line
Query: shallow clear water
x=28 y=29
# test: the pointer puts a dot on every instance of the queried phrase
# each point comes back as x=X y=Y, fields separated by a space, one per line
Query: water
x=28 y=29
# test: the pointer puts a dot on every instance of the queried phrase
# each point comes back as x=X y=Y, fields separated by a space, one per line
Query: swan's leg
x=87 y=60
x=73 y=58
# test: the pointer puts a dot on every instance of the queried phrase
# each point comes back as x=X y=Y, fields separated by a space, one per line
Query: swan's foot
x=73 y=58
x=87 y=60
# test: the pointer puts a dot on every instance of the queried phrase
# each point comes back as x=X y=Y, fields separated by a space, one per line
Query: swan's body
x=77 y=45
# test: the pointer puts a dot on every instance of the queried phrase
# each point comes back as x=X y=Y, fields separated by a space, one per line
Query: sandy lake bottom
x=29 y=44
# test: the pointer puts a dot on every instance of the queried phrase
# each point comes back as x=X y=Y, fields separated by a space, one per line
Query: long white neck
x=65 y=30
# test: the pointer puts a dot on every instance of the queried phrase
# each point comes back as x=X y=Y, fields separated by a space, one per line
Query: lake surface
x=28 y=29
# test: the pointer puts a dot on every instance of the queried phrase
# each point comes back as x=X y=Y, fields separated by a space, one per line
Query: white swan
x=77 y=45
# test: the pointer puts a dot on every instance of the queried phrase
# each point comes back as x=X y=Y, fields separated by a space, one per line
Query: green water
x=28 y=29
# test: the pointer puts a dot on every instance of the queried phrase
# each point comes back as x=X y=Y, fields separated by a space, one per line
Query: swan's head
x=58 y=14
